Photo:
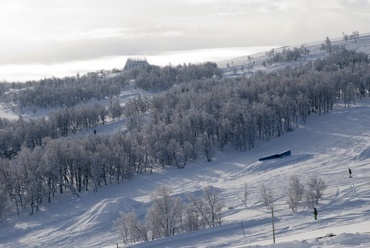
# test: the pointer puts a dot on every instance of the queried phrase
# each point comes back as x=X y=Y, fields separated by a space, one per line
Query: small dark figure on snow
x=315 y=213
x=350 y=172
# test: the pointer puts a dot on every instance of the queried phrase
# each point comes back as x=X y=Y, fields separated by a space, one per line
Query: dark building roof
x=135 y=62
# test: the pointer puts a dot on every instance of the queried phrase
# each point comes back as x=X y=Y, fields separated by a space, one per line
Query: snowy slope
x=327 y=146
x=362 y=45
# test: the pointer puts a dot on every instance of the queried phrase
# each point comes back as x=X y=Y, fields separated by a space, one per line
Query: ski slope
x=327 y=146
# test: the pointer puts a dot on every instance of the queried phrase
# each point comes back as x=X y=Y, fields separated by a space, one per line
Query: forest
x=189 y=113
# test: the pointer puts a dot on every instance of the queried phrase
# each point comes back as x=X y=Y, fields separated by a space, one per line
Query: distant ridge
x=249 y=64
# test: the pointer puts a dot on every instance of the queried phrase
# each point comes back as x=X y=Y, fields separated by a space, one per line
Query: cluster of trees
x=286 y=55
x=328 y=47
x=212 y=114
x=354 y=36
x=157 y=79
x=169 y=215
x=62 y=122
x=64 y=92
x=35 y=175
x=309 y=194
x=312 y=193
x=191 y=120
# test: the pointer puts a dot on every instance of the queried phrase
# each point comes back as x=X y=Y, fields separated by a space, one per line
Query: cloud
x=46 y=31
x=93 y=34
x=361 y=6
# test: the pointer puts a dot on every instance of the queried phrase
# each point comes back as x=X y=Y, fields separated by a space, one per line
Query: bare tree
x=267 y=198
x=193 y=219
x=130 y=228
x=153 y=225
x=345 y=37
x=245 y=194
x=295 y=192
x=309 y=199
x=166 y=212
x=208 y=147
x=115 y=110
x=355 y=36
x=3 y=202
x=315 y=188
x=209 y=206
x=215 y=205
x=327 y=46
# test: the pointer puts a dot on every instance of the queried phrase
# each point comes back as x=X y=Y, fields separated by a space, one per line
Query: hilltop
x=248 y=65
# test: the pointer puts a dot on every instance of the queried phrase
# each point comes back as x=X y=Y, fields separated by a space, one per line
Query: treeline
x=238 y=112
x=70 y=91
x=191 y=120
x=60 y=123
x=157 y=79
x=286 y=55
x=64 y=92
x=64 y=122
x=34 y=176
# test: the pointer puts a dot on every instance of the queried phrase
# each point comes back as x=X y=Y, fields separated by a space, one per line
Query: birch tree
x=166 y=212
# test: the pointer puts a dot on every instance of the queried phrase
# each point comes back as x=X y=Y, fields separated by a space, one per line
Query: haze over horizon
x=25 y=72
x=46 y=37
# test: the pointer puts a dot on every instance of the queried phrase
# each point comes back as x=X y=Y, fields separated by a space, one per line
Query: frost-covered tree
x=309 y=199
x=355 y=36
x=315 y=188
x=209 y=207
x=130 y=228
x=193 y=219
x=3 y=204
x=115 y=110
x=295 y=192
x=215 y=205
x=207 y=146
x=327 y=46
x=267 y=196
x=165 y=213
x=245 y=194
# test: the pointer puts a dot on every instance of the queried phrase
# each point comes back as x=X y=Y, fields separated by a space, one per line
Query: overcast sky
x=60 y=31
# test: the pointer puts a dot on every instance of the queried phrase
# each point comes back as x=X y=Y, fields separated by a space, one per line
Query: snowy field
x=327 y=146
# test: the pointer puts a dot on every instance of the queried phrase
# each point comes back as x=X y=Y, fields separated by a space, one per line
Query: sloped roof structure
x=135 y=62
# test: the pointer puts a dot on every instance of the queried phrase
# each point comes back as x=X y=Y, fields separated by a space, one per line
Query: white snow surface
x=327 y=146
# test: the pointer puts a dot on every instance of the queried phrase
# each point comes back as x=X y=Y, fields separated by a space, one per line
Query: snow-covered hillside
x=327 y=146
x=247 y=65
